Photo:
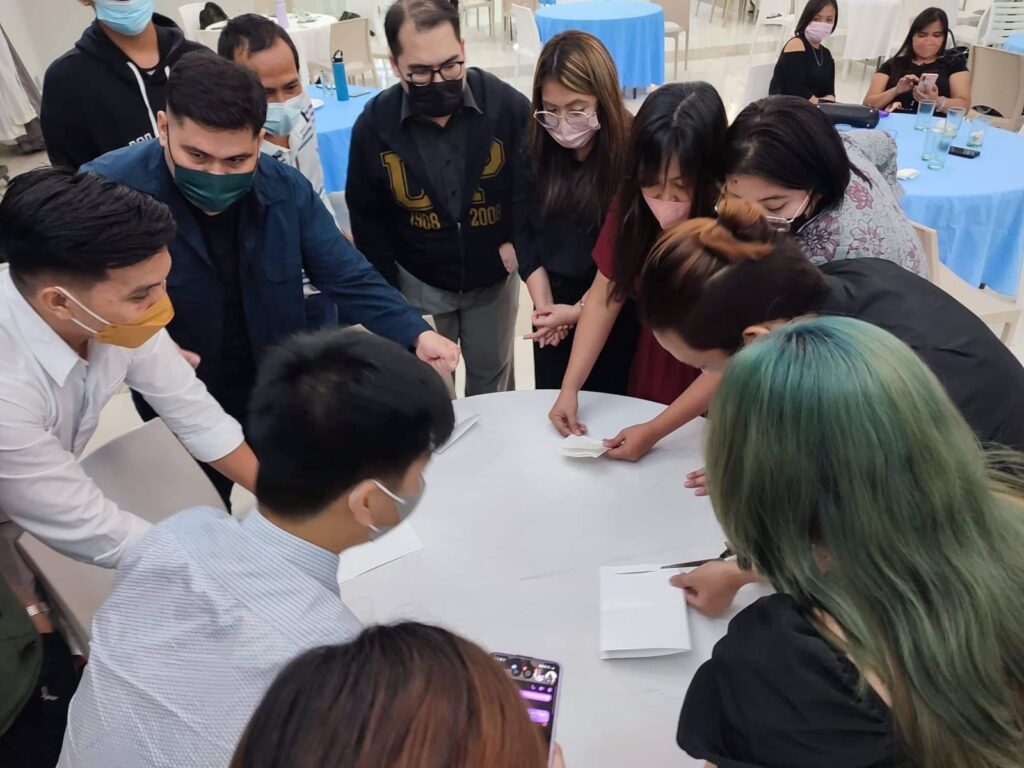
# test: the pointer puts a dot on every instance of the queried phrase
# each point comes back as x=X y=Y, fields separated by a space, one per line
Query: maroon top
x=655 y=374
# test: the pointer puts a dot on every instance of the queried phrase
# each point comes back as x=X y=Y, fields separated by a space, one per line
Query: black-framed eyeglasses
x=450 y=70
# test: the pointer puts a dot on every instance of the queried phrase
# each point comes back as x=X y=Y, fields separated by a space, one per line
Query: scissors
x=690 y=564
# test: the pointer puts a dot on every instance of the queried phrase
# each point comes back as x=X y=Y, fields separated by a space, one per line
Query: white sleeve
x=159 y=373
x=44 y=490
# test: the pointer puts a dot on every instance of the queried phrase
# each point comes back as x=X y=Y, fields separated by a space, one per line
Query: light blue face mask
x=282 y=116
x=127 y=17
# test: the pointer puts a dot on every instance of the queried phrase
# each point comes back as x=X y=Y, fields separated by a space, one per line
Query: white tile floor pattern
x=718 y=54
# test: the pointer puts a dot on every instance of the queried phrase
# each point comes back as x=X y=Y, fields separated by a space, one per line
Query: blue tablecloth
x=1014 y=43
x=977 y=206
x=334 y=121
x=633 y=32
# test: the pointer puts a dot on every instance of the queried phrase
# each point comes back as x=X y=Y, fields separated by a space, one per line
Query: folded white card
x=907 y=174
x=582 y=447
x=641 y=613
x=460 y=428
x=373 y=554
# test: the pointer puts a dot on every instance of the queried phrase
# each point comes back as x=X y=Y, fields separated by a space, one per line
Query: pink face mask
x=667 y=212
x=574 y=138
x=817 y=32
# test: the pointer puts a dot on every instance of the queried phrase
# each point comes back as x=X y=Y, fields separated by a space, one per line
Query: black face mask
x=436 y=99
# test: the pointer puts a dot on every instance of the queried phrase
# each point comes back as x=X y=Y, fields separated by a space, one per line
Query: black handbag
x=856 y=115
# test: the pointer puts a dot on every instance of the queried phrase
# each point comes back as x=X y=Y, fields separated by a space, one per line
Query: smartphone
x=538 y=681
x=928 y=78
x=970 y=154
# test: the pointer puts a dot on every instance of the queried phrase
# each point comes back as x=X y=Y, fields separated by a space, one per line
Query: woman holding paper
x=840 y=469
x=671 y=174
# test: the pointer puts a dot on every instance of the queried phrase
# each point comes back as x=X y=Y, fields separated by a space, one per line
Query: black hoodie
x=96 y=100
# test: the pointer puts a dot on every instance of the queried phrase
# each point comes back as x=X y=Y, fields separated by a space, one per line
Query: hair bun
x=740 y=233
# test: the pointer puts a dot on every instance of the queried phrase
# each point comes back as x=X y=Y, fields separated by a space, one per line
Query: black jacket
x=394 y=219
x=96 y=100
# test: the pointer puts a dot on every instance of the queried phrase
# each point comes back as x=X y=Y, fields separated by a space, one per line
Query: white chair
x=369 y=9
x=966 y=34
x=527 y=42
x=146 y=471
x=189 y=14
x=714 y=4
x=759 y=78
x=465 y=6
x=772 y=13
x=352 y=38
x=985 y=304
x=997 y=81
x=341 y=214
x=677 y=22
x=1007 y=18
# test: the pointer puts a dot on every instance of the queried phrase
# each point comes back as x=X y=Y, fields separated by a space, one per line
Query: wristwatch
x=37 y=609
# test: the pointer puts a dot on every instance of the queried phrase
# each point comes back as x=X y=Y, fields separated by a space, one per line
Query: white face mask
x=403 y=507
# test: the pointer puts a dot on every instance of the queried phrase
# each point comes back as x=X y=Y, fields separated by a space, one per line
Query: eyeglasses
x=575 y=120
x=450 y=70
x=775 y=223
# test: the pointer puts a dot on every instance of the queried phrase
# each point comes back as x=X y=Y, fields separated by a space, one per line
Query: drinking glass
x=944 y=140
x=954 y=119
x=925 y=110
x=931 y=138
x=976 y=131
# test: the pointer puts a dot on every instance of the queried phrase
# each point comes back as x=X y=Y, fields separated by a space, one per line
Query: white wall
x=42 y=30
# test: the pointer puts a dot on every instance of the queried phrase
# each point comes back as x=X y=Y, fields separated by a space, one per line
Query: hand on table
x=712 y=587
x=632 y=443
x=564 y=412
x=437 y=351
x=697 y=481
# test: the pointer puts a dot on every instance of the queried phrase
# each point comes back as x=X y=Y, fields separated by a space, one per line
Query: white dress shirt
x=204 y=613
x=50 y=402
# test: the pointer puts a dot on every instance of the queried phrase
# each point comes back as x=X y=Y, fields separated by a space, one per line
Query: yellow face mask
x=130 y=335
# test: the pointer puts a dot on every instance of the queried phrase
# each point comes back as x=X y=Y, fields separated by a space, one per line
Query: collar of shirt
x=41 y=341
x=468 y=102
x=315 y=561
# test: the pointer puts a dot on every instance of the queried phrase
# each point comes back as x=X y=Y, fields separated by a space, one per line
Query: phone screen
x=538 y=682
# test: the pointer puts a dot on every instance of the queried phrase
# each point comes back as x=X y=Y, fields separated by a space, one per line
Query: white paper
x=392 y=545
x=641 y=613
x=582 y=447
x=458 y=431
x=907 y=174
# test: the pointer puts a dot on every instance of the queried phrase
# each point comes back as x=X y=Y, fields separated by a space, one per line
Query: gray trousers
x=481 y=321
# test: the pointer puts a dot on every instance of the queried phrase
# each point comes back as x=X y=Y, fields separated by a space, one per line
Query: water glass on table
x=954 y=119
x=976 y=131
x=943 y=141
x=925 y=110
x=935 y=129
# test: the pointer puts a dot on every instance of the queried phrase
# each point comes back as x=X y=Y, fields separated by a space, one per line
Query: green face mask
x=210 y=192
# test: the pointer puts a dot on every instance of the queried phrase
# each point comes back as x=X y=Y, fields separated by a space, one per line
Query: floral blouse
x=869 y=222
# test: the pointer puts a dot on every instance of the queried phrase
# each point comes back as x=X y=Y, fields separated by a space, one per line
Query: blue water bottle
x=340 y=80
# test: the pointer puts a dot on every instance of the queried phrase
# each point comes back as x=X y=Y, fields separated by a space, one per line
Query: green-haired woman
x=840 y=469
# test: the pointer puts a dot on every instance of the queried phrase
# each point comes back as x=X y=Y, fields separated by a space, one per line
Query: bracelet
x=37 y=609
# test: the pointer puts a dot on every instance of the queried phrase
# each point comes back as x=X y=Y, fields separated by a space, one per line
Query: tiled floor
x=718 y=54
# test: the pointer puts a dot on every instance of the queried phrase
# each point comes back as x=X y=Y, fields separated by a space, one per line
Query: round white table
x=312 y=38
x=513 y=535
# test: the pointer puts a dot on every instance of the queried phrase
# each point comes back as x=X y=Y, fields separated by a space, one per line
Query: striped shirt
x=204 y=613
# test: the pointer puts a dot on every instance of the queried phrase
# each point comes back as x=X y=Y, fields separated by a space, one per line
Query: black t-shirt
x=806 y=73
x=237 y=367
x=775 y=694
x=945 y=66
x=979 y=373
